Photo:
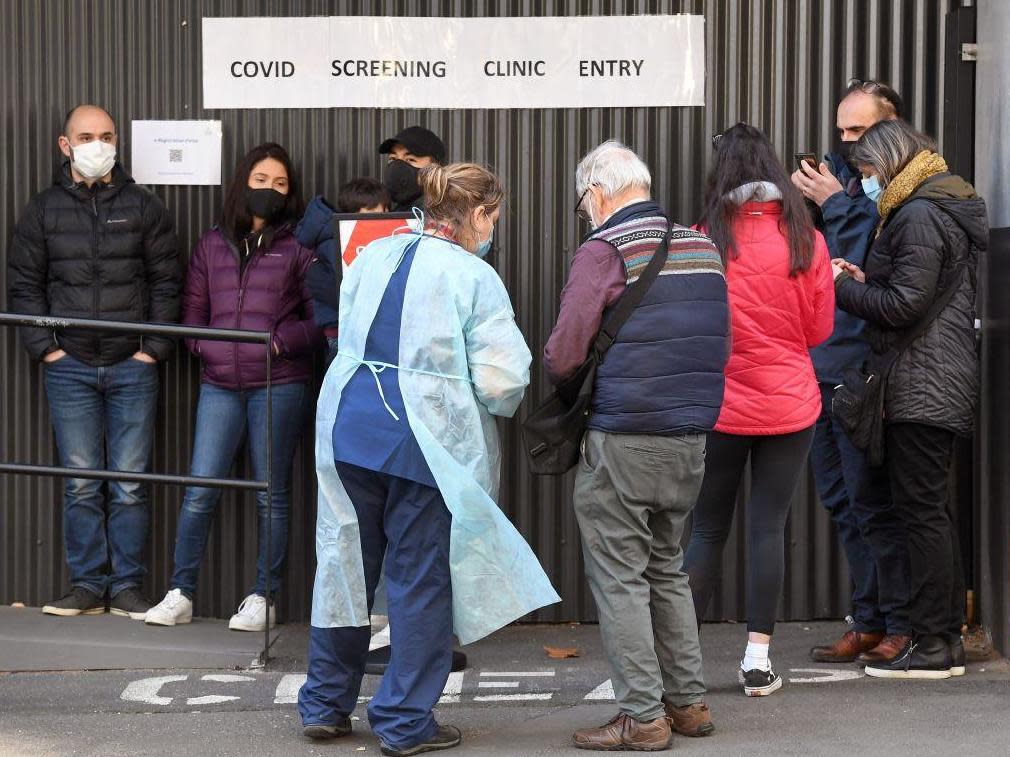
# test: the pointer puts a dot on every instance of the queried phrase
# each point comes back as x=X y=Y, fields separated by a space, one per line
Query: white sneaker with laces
x=175 y=609
x=251 y=615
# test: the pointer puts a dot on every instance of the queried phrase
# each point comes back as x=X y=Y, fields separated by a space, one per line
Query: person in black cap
x=409 y=151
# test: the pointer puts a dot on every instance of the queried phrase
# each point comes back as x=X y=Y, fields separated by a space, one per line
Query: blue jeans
x=104 y=418
x=839 y=468
x=222 y=416
x=412 y=521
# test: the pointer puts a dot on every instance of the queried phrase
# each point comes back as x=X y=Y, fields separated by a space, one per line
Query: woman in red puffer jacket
x=782 y=303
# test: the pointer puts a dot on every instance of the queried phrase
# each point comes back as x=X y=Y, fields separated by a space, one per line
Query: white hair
x=613 y=167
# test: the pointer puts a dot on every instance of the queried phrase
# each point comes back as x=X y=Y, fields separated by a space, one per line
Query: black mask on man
x=845 y=150
x=400 y=179
x=265 y=203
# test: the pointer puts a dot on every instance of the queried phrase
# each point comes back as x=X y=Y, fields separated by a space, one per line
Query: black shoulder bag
x=858 y=404
x=553 y=432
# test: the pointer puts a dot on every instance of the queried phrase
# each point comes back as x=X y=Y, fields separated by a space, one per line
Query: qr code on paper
x=175 y=156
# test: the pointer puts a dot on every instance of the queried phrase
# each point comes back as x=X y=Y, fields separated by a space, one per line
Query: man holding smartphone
x=849 y=218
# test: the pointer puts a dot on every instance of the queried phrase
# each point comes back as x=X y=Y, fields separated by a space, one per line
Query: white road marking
x=287 y=689
x=514 y=698
x=453 y=688
x=146 y=690
x=498 y=685
x=381 y=639
x=528 y=674
x=824 y=675
x=605 y=691
x=225 y=678
x=210 y=699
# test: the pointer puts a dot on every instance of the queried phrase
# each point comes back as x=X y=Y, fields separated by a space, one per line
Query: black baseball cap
x=419 y=141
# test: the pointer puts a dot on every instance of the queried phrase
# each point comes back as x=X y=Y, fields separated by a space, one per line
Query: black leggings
x=776 y=465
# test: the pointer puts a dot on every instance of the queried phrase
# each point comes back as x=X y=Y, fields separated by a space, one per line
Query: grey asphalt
x=98 y=712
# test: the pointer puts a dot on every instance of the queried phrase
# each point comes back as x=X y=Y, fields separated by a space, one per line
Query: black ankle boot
x=925 y=657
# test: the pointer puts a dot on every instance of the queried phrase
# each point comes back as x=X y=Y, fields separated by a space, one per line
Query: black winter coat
x=107 y=252
x=928 y=242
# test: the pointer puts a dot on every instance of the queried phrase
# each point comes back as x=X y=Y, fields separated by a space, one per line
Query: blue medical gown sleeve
x=496 y=352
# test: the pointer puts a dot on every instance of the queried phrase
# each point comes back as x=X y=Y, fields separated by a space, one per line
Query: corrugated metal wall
x=778 y=64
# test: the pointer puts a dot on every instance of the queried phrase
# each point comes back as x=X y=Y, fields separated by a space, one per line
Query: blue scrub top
x=364 y=433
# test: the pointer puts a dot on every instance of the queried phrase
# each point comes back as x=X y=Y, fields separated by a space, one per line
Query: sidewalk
x=532 y=709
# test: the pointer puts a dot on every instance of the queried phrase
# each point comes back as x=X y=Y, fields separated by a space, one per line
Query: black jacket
x=928 y=242
x=106 y=252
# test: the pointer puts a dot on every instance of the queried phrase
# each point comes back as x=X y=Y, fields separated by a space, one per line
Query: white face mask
x=94 y=159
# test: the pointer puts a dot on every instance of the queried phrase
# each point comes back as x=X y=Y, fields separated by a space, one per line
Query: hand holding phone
x=807 y=157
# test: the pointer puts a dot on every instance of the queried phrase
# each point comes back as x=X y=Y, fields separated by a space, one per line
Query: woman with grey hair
x=918 y=288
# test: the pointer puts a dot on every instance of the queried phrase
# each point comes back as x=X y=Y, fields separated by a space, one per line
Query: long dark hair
x=236 y=221
x=744 y=154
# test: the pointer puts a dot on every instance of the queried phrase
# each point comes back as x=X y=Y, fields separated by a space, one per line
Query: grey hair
x=889 y=146
x=613 y=167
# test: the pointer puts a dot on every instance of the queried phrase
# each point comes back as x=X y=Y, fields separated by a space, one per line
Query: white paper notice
x=518 y=62
x=176 y=152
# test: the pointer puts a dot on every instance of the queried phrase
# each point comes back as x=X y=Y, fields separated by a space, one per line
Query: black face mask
x=265 y=203
x=845 y=150
x=400 y=179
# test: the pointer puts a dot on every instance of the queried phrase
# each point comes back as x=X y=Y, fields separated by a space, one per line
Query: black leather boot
x=925 y=657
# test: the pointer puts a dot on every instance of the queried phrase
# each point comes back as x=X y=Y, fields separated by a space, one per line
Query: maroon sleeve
x=301 y=336
x=196 y=295
x=596 y=280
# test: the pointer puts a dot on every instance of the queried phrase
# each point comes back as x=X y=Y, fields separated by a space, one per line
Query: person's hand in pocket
x=143 y=357
x=53 y=356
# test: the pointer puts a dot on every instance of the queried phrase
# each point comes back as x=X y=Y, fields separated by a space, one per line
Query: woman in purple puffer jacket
x=247 y=273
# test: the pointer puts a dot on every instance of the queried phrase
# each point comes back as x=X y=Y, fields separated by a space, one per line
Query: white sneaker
x=251 y=615
x=175 y=609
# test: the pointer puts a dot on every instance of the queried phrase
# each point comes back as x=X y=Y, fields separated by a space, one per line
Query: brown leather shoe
x=624 y=733
x=691 y=720
x=888 y=648
x=847 y=648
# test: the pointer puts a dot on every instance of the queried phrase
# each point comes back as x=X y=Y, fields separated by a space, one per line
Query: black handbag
x=858 y=403
x=553 y=432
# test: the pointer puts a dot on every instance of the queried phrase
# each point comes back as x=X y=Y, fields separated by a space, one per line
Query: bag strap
x=632 y=297
x=931 y=315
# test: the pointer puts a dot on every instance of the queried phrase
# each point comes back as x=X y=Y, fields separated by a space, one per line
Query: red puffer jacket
x=268 y=293
x=776 y=319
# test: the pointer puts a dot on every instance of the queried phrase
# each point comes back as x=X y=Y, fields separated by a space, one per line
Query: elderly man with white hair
x=656 y=394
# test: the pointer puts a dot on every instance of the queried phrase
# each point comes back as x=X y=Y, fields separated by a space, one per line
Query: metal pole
x=270 y=496
x=134 y=476
x=57 y=323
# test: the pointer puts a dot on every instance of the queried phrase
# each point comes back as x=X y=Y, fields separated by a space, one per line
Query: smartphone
x=806 y=157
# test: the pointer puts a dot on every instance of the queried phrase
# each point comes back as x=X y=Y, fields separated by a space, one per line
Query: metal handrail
x=60 y=323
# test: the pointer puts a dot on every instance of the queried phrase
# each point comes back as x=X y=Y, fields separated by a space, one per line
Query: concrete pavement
x=513 y=700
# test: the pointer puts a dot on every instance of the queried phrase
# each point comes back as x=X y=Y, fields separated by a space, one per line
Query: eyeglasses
x=579 y=211
x=871 y=87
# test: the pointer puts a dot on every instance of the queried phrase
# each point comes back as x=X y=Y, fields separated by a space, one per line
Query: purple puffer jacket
x=269 y=294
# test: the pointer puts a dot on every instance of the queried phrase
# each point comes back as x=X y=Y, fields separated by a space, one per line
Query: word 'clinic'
x=250 y=69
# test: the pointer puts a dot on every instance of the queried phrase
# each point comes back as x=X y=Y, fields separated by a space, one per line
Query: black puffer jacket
x=106 y=252
x=932 y=239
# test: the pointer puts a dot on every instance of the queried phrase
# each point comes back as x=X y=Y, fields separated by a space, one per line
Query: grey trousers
x=632 y=495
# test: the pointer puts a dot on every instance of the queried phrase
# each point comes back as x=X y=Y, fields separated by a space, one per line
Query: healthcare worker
x=407 y=459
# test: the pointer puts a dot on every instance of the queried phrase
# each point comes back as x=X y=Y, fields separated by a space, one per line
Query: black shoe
x=322 y=732
x=760 y=683
x=957 y=667
x=927 y=657
x=130 y=603
x=446 y=737
x=78 y=601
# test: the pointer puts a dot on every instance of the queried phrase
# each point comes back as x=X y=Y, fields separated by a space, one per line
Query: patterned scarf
x=919 y=168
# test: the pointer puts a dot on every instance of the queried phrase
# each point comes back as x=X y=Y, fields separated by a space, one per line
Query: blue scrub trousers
x=407 y=522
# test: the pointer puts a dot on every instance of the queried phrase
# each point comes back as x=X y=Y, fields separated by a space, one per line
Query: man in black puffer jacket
x=933 y=229
x=95 y=245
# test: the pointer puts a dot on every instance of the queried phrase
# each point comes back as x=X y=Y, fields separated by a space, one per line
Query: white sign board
x=176 y=152
x=380 y=62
